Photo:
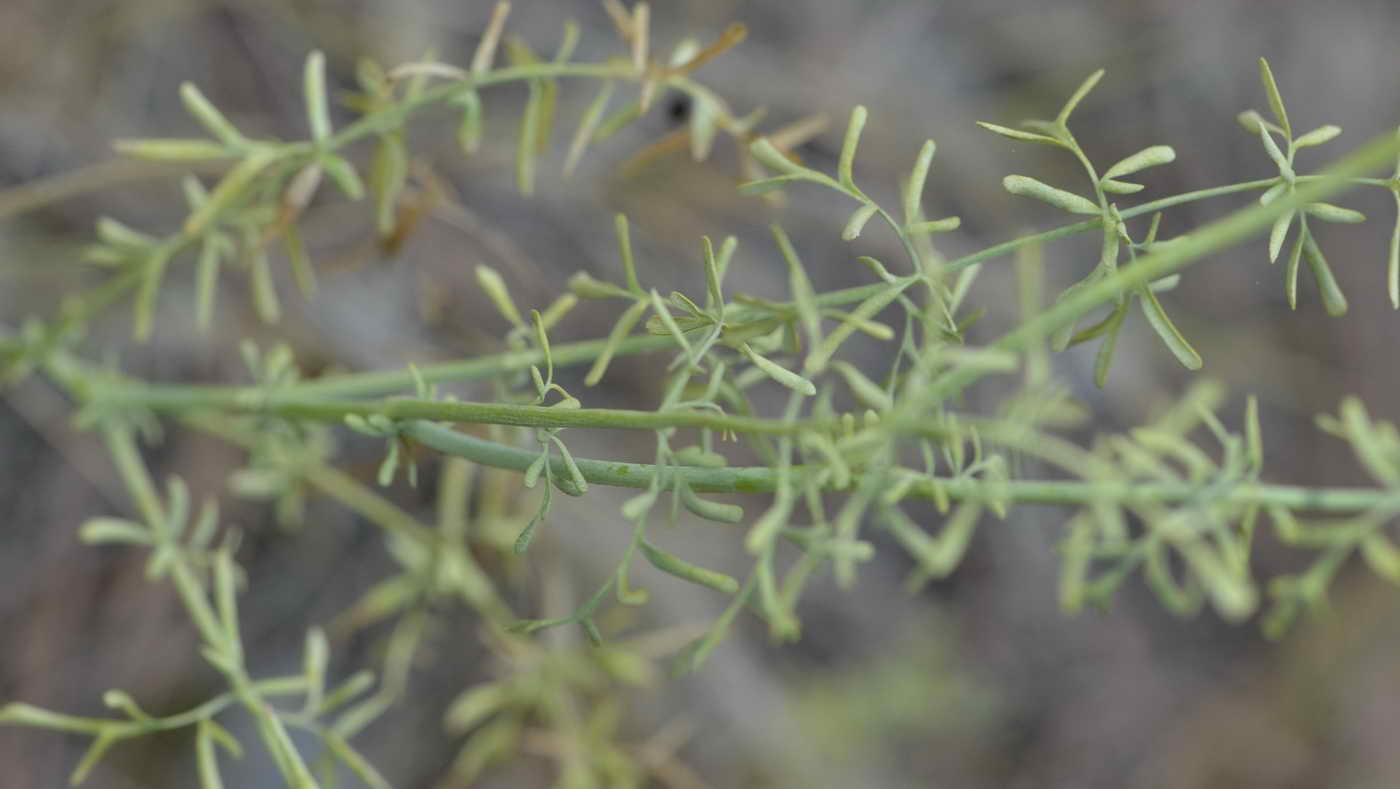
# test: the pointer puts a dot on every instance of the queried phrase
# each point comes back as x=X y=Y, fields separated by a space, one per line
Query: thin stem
x=297 y=406
x=761 y=479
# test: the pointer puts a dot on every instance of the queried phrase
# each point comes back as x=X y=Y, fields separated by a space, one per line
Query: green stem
x=761 y=479
x=298 y=406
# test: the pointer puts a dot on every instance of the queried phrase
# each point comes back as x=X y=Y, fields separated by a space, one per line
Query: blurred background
x=977 y=681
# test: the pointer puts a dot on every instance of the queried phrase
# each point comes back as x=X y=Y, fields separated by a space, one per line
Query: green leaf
x=1270 y=147
x=914 y=189
x=800 y=287
x=469 y=127
x=1079 y=94
x=935 y=226
x=1023 y=136
x=587 y=125
x=704 y=114
x=867 y=391
x=1335 y=213
x=674 y=565
x=1266 y=75
x=775 y=160
x=1120 y=187
x=344 y=175
x=1254 y=441
x=1175 y=342
x=619 y=332
x=779 y=373
x=1317 y=136
x=659 y=308
x=1147 y=157
x=495 y=289
x=358 y=764
x=1381 y=556
x=710 y=510
x=766 y=185
x=388 y=172
x=819 y=356
x=1290 y=274
x=314 y=90
x=206 y=758
x=174 y=150
x=1251 y=121
x=1103 y=358
x=522 y=542
x=848 y=149
x=1030 y=187
x=265 y=300
x=229 y=189
x=97 y=531
x=857 y=221
x=580 y=485
x=1278 y=233
x=532 y=126
x=209 y=117
x=1332 y=298
x=474 y=706
x=624 y=245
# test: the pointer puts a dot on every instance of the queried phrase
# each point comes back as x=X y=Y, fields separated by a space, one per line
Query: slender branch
x=761 y=479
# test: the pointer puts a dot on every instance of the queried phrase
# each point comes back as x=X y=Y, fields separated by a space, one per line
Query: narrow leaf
x=800 y=287
x=1023 y=136
x=848 y=148
x=1165 y=329
x=1120 y=187
x=1266 y=75
x=1103 y=358
x=867 y=391
x=914 y=189
x=173 y=150
x=710 y=510
x=686 y=571
x=1381 y=556
x=935 y=226
x=208 y=116
x=1147 y=157
x=1332 y=298
x=1278 y=233
x=1317 y=136
x=817 y=360
x=1290 y=274
x=779 y=373
x=1079 y=94
x=344 y=175
x=766 y=185
x=587 y=125
x=495 y=289
x=1335 y=213
x=314 y=90
x=388 y=173
x=229 y=190
x=857 y=221
x=619 y=332
x=1030 y=187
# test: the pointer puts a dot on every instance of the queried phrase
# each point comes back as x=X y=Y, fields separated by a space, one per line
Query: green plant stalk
x=761 y=479
x=184 y=399
x=120 y=729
